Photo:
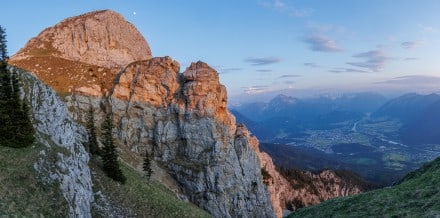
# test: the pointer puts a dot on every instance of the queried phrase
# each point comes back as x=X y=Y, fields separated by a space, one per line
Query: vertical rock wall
x=64 y=141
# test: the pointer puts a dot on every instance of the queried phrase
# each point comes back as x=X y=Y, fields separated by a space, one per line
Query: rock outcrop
x=179 y=118
x=102 y=38
x=64 y=161
x=182 y=120
x=83 y=53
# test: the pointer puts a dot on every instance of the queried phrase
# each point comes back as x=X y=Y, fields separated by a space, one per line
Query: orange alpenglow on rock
x=102 y=38
x=83 y=52
x=99 y=58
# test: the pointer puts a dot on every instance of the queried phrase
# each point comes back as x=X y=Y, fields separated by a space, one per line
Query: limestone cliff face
x=181 y=119
x=304 y=189
x=102 y=38
x=64 y=160
x=84 y=53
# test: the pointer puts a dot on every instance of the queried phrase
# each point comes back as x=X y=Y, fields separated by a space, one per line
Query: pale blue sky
x=267 y=45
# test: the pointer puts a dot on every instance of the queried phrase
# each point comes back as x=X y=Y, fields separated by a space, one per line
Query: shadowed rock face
x=179 y=118
x=102 y=38
x=64 y=139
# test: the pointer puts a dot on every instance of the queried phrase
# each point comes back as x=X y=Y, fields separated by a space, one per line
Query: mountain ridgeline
x=290 y=116
x=99 y=62
x=419 y=115
x=381 y=142
x=198 y=154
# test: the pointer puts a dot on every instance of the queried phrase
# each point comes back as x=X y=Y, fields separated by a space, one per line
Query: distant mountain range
x=290 y=116
x=419 y=114
x=286 y=116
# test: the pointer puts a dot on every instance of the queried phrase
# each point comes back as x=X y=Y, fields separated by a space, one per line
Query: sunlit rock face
x=180 y=118
x=102 y=38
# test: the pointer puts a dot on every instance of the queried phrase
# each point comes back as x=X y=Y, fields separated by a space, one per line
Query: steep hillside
x=417 y=195
x=199 y=151
x=424 y=128
x=179 y=118
x=406 y=107
x=54 y=177
x=23 y=193
x=418 y=115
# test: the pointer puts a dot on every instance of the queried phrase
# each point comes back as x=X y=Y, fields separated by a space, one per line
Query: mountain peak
x=281 y=98
x=83 y=53
x=102 y=38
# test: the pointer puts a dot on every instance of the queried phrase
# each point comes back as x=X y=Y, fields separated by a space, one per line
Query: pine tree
x=93 y=141
x=16 y=128
x=109 y=154
x=3 y=50
x=5 y=93
x=147 y=165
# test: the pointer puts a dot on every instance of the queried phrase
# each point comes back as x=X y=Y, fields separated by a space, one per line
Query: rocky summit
x=180 y=118
x=102 y=38
x=83 y=52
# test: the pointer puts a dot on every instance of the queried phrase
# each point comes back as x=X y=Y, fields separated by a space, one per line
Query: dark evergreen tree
x=5 y=92
x=109 y=153
x=3 y=50
x=147 y=165
x=26 y=124
x=16 y=128
x=93 y=141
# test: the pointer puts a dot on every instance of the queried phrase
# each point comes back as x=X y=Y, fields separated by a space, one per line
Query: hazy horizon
x=264 y=46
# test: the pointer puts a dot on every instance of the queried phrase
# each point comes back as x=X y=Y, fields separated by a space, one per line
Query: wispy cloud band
x=262 y=61
x=319 y=42
x=373 y=60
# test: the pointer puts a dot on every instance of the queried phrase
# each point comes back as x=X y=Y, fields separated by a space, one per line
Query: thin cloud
x=229 y=70
x=286 y=8
x=347 y=70
x=262 y=61
x=427 y=29
x=254 y=89
x=312 y=65
x=412 y=80
x=373 y=60
x=289 y=82
x=288 y=76
x=411 y=59
x=412 y=44
x=320 y=42
x=264 y=70
x=410 y=83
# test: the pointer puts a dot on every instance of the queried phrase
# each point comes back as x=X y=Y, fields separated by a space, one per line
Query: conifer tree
x=147 y=165
x=3 y=50
x=93 y=141
x=109 y=153
x=5 y=92
x=16 y=128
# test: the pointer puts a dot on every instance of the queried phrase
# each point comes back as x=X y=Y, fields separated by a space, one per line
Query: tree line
x=108 y=153
x=16 y=128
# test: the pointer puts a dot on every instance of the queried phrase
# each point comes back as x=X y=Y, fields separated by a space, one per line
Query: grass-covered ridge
x=21 y=192
x=418 y=195
x=138 y=197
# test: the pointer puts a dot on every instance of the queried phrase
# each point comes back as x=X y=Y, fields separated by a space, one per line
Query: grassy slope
x=417 y=196
x=143 y=198
x=21 y=193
